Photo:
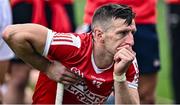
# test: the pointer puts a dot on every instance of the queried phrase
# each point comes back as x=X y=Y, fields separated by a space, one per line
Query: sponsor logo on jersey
x=81 y=91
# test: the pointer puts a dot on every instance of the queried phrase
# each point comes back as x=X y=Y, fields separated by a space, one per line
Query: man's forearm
x=25 y=51
x=23 y=46
x=28 y=42
x=123 y=95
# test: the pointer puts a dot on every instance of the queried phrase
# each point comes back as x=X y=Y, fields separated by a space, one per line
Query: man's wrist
x=119 y=78
x=48 y=66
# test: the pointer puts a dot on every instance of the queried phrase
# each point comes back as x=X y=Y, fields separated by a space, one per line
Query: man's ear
x=98 y=33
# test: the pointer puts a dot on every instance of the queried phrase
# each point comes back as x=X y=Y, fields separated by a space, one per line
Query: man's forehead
x=122 y=22
x=122 y=25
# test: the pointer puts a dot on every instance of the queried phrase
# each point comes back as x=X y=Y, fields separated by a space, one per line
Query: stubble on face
x=115 y=39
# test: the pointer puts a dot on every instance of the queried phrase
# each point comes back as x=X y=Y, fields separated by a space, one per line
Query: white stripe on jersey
x=62 y=38
x=66 y=39
x=134 y=83
x=48 y=42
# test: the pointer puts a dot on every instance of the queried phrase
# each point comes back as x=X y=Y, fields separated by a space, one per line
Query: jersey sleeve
x=48 y=42
x=132 y=75
x=61 y=46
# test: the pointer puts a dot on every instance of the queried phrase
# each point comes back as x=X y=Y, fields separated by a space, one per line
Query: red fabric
x=67 y=1
x=60 y=20
x=45 y=90
x=145 y=10
x=14 y=2
x=173 y=1
x=94 y=87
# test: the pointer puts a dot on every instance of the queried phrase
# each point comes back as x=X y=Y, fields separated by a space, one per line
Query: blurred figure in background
x=5 y=52
x=173 y=20
x=19 y=71
x=146 y=41
x=44 y=12
x=69 y=6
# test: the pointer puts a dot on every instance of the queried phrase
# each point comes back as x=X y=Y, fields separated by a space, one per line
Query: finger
x=127 y=54
x=65 y=82
x=131 y=52
x=71 y=74
x=122 y=58
x=118 y=56
x=69 y=79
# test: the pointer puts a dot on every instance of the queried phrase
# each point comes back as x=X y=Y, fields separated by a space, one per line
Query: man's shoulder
x=72 y=38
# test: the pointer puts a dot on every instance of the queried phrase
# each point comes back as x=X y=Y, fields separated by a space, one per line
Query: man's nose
x=130 y=39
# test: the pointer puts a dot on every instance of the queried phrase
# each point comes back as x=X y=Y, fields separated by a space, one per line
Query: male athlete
x=145 y=37
x=103 y=59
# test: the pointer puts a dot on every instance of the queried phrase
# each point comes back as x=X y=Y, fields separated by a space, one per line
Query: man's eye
x=124 y=32
x=133 y=32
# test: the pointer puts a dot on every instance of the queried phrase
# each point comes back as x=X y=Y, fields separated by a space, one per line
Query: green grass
x=79 y=11
x=164 y=89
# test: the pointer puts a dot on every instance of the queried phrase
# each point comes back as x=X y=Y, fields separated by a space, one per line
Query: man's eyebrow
x=127 y=30
x=134 y=31
x=124 y=29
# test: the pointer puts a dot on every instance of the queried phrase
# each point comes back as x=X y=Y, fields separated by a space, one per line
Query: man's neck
x=102 y=58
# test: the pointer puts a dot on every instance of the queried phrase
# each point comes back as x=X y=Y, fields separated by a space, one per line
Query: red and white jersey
x=75 y=52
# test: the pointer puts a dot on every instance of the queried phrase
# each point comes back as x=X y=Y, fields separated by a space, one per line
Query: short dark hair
x=108 y=12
